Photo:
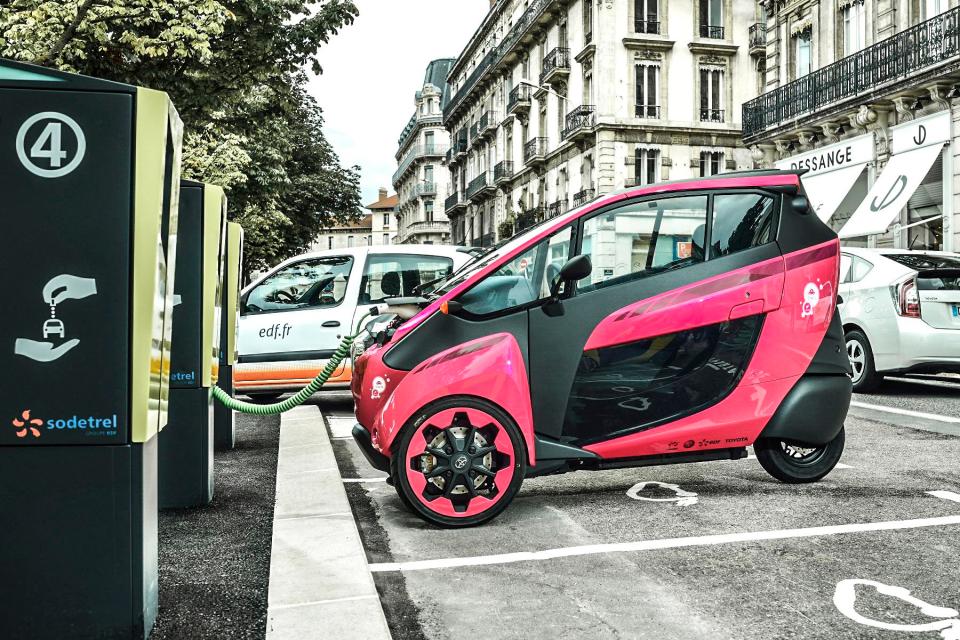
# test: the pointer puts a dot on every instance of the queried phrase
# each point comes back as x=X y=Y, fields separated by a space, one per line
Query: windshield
x=921 y=262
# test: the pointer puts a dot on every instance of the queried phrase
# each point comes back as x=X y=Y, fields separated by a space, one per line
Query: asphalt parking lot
x=710 y=550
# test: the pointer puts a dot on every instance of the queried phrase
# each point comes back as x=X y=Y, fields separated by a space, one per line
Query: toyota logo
x=460 y=462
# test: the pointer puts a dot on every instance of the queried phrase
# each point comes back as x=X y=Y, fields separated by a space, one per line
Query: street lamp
x=544 y=87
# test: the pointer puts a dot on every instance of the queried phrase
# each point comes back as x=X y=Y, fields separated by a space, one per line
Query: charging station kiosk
x=87 y=168
x=224 y=425
x=186 y=476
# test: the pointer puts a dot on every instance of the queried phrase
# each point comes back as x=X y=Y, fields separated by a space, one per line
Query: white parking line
x=906 y=412
x=341 y=426
x=942 y=384
x=364 y=479
x=946 y=495
x=668 y=543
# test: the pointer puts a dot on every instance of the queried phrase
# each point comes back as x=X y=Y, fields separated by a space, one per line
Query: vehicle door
x=300 y=311
x=398 y=275
x=664 y=326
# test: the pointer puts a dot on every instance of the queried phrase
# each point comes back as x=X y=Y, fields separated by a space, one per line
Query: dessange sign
x=849 y=153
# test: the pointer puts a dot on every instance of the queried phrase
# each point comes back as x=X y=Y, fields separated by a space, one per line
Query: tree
x=234 y=70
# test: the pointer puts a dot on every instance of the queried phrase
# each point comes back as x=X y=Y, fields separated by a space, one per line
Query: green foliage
x=234 y=70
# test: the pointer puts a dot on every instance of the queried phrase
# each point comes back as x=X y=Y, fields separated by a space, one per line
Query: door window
x=644 y=238
x=314 y=283
x=740 y=221
x=523 y=280
x=395 y=275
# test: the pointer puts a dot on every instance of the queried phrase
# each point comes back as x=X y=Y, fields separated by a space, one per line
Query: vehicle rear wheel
x=865 y=376
x=459 y=462
x=796 y=463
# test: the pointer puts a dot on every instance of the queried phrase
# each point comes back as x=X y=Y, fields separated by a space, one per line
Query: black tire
x=776 y=459
x=865 y=376
x=264 y=398
x=400 y=455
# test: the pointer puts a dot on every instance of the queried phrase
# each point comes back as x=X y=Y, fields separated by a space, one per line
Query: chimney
x=383 y=193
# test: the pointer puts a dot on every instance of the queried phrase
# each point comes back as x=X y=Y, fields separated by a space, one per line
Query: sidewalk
x=320 y=584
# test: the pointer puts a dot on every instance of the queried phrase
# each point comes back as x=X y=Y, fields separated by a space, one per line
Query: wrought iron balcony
x=535 y=150
x=556 y=208
x=711 y=115
x=424 y=189
x=417 y=153
x=487 y=126
x=528 y=218
x=583 y=197
x=461 y=142
x=650 y=111
x=519 y=100
x=581 y=120
x=556 y=66
x=503 y=172
x=758 y=39
x=427 y=226
x=920 y=50
x=646 y=26
x=479 y=185
x=474 y=131
x=714 y=32
x=453 y=202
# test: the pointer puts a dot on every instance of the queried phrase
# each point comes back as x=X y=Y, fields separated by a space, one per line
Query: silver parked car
x=900 y=312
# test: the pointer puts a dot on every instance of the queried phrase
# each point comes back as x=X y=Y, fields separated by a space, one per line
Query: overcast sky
x=372 y=70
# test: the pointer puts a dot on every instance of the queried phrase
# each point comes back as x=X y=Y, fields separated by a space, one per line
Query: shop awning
x=827 y=190
x=889 y=195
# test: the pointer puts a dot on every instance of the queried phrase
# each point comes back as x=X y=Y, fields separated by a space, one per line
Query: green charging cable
x=304 y=394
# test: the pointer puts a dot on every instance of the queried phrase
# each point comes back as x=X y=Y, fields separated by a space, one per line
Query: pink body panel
x=698 y=304
x=491 y=367
x=790 y=338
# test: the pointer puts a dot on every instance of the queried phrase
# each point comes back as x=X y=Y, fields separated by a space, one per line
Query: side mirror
x=576 y=269
x=801 y=205
x=839 y=300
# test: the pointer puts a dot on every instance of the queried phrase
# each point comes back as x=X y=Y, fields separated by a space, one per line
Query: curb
x=320 y=583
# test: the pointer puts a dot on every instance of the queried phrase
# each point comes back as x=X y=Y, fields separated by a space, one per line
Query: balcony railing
x=917 y=49
x=519 y=99
x=452 y=201
x=556 y=208
x=424 y=188
x=503 y=171
x=711 y=115
x=583 y=197
x=528 y=218
x=488 y=123
x=556 y=63
x=477 y=184
x=420 y=151
x=474 y=131
x=651 y=111
x=714 y=32
x=535 y=149
x=758 y=36
x=428 y=226
x=646 y=26
x=581 y=118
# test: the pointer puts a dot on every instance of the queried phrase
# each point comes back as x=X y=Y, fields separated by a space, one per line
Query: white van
x=294 y=317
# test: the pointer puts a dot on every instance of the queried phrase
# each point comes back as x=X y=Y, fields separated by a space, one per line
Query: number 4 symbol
x=49 y=145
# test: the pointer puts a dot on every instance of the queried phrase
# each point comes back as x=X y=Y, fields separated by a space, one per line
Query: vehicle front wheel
x=796 y=463
x=459 y=462
x=865 y=376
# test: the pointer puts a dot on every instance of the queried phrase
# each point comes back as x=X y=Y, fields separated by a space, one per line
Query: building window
x=428 y=210
x=854 y=17
x=587 y=85
x=933 y=8
x=428 y=138
x=711 y=163
x=648 y=91
x=369 y=241
x=386 y=220
x=711 y=19
x=386 y=239
x=428 y=173
x=711 y=95
x=329 y=242
x=349 y=241
x=804 y=52
x=646 y=17
x=645 y=166
x=587 y=21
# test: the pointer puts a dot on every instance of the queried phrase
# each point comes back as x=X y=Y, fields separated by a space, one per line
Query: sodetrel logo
x=89 y=423
x=27 y=425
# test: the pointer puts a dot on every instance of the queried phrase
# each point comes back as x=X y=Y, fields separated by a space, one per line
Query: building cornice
x=713 y=47
x=648 y=42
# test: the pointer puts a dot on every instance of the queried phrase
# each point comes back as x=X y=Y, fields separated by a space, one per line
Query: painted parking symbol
x=948 y=622
x=682 y=497
x=41 y=144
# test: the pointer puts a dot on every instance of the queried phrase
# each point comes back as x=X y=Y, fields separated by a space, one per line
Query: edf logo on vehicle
x=277 y=331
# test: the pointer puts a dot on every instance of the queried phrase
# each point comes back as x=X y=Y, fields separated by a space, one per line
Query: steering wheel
x=285 y=296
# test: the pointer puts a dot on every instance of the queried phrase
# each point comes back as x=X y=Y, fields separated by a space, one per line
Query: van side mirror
x=575 y=269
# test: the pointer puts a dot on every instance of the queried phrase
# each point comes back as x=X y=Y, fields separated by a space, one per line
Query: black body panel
x=637 y=386
x=800 y=230
x=814 y=410
x=441 y=332
x=550 y=390
x=831 y=358
x=376 y=459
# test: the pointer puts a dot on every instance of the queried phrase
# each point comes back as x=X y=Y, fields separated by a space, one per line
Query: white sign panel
x=855 y=151
x=923 y=132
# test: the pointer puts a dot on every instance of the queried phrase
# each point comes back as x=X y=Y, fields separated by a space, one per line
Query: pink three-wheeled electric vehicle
x=679 y=322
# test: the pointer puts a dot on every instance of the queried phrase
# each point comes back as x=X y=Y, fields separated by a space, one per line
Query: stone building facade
x=861 y=93
x=556 y=102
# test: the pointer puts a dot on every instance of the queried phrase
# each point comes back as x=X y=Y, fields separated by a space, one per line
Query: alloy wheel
x=802 y=456
x=858 y=359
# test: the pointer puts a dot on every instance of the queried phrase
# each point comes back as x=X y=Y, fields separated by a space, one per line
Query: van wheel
x=865 y=376
x=459 y=462
x=795 y=463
